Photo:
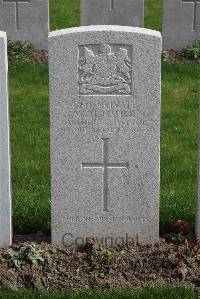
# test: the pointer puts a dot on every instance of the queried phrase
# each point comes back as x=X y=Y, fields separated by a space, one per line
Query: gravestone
x=25 y=21
x=5 y=193
x=112 y=12
x=105 y=134
x=181 y=23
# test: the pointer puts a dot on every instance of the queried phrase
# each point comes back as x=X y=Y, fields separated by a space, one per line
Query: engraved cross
x=111 y=4
x=195 y=2
x=105 y=166
x=16 y=10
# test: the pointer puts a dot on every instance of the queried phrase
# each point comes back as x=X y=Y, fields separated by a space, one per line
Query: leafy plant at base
x=21 y=255
x=166 y=56
x=192 y=51
x=20 y=51
x=184 y=232
x=101 y=260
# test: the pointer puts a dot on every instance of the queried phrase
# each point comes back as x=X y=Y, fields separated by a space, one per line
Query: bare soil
x=93 y=266
x=38 y=56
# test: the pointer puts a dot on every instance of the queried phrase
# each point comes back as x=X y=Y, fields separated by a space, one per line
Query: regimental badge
x=105 y=70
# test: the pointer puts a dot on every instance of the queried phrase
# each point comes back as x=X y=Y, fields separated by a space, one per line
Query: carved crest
x=105 y=72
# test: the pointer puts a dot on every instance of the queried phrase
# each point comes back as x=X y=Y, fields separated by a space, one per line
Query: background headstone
x=5 y=193
x=112 y=12
x=181 y=23
x=105 y=134
x=25 y=21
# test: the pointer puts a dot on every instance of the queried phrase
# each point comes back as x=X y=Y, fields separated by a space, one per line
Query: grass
x=157 y=293
x=153 y=14
x=180 y=83
x=30 y=132
x=30 y=146
x=66 y=13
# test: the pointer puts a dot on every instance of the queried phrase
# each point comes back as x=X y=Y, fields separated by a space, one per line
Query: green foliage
x=165 y=56
x=101 y=260
x=19 y=51
x=192 y=51
x=21 y=255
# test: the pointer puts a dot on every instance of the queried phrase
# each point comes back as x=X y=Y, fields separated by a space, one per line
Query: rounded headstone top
x=3 y=34
x=105 y=28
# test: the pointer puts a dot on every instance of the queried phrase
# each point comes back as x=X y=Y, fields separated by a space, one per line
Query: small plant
x=192 y=51
x=166 y=56
x=183 y=232
x=101 y=260
x=21 y=255
x=20 y=51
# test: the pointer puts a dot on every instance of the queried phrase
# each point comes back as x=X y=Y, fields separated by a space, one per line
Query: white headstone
x=26 y=21
x=112 y=12
x=105 y=134
x=181 y=23
x=5 y=193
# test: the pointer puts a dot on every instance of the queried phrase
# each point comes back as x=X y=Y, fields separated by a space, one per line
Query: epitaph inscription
x=105 y=69
x=108 y=115
x=105 y=166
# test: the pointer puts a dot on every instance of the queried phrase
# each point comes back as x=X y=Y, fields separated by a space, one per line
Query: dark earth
x=26 y=52
x=175 y=260
x=38 y=56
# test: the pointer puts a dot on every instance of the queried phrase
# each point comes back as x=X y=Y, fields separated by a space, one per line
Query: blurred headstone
x=5 y=184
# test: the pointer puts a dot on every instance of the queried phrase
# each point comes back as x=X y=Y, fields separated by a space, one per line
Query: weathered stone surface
x=25 y=21
x=5 y=193
x=105 y=134
x=181 y=23
x=112 y=12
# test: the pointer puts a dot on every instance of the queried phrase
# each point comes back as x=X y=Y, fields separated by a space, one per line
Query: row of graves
x=28 y=20
x=105 y=83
